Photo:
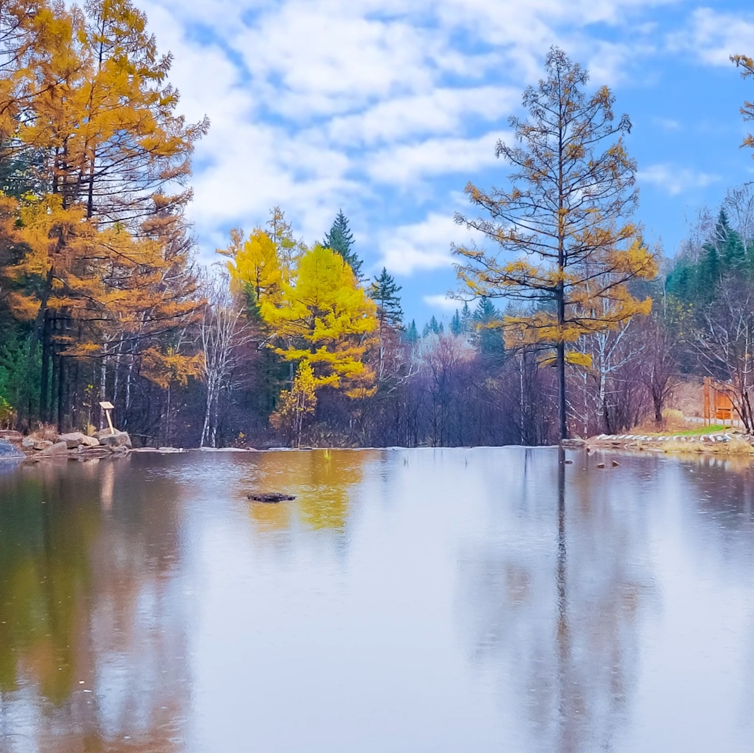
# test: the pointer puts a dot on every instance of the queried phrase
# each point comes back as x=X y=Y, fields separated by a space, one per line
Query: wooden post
x=108 y=407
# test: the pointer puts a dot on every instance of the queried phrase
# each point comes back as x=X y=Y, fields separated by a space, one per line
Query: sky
x=386 y=109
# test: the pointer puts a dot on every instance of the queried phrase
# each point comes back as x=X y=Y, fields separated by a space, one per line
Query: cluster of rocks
x=78 y=444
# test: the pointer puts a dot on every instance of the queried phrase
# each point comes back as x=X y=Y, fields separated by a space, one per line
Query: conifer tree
x=325 y=317
x=456 y=325
x=488 y=329
x=411 y=335
x=562 y=220
x=340 y=239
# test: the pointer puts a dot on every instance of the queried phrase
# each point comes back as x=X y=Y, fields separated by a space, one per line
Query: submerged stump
x=270 y=497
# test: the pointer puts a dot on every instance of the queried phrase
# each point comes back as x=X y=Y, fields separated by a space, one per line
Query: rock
x=572 y=444
x=14 y=437
x=271 y=497
x=28 y=442
x=9 y=452
x=41 y=444
x=59 y=448
x=73 y=440
x=119 y=439
x=90 y=442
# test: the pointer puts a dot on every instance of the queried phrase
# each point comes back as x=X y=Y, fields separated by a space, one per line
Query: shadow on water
x=92 y=638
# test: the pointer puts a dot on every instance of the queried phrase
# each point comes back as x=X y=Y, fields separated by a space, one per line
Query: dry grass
x=736 y=446
x=45 y=431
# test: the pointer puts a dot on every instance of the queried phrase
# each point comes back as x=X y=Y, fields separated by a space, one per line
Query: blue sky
x=387 y=108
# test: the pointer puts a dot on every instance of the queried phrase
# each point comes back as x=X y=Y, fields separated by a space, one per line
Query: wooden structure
x=108 y=408
x=717 y=404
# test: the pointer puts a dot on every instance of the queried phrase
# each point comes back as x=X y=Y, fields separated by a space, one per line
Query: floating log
x=271 y=497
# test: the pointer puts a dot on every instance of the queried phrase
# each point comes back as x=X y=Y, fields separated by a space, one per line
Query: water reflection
x=322 y=481
x=438 y=600
x=555 y=606
x=92 y=632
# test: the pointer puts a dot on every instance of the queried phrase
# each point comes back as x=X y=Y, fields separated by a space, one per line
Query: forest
x=569 y=322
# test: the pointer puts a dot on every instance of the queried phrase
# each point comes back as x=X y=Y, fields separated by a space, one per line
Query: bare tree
x=223 y=332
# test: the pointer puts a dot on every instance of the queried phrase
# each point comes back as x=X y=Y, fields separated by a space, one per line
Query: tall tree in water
x=562 y=219
x=340 y=239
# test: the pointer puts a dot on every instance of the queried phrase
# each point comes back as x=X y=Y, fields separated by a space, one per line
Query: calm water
x=422 y=600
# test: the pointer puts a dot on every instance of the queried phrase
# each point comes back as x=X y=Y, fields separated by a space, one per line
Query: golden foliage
x=326 y=318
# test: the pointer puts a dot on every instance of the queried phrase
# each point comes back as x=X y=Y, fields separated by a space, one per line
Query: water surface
x=408 y=600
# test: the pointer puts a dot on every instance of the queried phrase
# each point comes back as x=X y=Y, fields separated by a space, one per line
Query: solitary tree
x=560 y=228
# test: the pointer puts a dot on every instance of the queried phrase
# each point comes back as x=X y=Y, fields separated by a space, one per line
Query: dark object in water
x=271 y=497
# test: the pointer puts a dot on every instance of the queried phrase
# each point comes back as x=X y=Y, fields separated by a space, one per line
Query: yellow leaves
x=297 y=403
x=169 y=366
x=324 y=316
x=254 y=267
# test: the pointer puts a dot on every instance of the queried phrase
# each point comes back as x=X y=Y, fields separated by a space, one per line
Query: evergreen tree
x=466 y=317
x=456 y=325
x=433 y=327
x=340 y=239
x=488 y=326
x=384 y=292
x=411 y=335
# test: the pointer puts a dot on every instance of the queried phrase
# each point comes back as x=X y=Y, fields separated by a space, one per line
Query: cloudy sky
x=387 y=108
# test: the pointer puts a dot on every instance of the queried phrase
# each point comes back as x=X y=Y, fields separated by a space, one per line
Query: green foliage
x=433 y=327
x=384 y=292
x=411 y=335
x=340 y=239
x=488 y=328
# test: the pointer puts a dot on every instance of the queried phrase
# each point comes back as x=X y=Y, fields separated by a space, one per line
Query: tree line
x=568 y=322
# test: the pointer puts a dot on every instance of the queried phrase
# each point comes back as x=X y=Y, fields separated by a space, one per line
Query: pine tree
x=488 y=329
x=456 y=325
x=384 y=292
x=340 y=239
x=411 y=335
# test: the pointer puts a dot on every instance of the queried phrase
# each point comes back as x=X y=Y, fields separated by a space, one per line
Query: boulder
x=28 y=442
x=9 y=452
x=90 y=442
x=59 y=448
x=119 y=439
x=11 y=436
x=39 y=444
x=73 y=440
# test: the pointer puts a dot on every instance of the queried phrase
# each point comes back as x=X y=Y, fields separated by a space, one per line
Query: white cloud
x=675 y=180
x=316 y=106
x=713 y=37
x=406 y=163
x=442 y=302
x=423 y=245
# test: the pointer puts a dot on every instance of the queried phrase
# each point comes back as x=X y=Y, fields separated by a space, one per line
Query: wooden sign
x=108 y=407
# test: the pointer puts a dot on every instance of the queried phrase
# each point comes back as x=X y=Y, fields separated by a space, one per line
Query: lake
x=408 y=600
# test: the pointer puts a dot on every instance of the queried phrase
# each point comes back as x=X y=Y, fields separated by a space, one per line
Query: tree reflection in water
x=322 y=483
x=553 y=607
x=92 y=629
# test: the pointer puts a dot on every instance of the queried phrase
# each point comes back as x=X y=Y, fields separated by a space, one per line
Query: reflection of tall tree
x=553 y=607
x=321 y=480
x=92 y=635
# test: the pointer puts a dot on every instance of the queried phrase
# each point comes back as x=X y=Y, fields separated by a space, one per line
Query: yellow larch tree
x=254 y=267
x=100 y=270
x=562 y=243
x=325 y=318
